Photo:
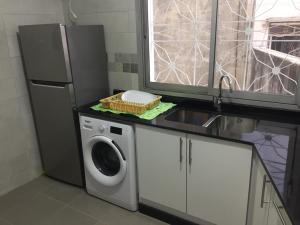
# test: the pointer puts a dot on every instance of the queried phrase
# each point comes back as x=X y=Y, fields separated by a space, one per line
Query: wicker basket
x=115 y=102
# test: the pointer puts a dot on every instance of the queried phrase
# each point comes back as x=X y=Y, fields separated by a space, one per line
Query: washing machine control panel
x=87 y=125
x=102 y=128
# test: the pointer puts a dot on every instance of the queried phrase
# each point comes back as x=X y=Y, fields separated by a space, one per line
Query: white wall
x=266 y=9
x=118 y=18
x=19 y=155
x=283 y=8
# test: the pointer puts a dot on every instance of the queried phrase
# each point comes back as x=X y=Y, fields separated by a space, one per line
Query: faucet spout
x=219 y=98
x=221 y=84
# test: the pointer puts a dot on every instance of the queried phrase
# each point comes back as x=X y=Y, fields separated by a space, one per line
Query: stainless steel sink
x=189 y=116
x=216 y=122
x=231 y=123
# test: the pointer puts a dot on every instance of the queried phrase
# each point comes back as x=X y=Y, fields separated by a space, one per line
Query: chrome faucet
x=218 y=100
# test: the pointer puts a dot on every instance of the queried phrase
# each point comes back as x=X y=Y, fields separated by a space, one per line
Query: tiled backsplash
x=123 y=62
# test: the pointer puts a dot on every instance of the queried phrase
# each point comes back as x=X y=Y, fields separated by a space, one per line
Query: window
x=256 y=52
x=284 y=34
x=179 y=40
x=192 y=43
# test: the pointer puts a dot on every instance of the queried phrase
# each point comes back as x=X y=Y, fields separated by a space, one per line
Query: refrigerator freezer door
x=45 y=52
x=89 y=63
x=55 y=126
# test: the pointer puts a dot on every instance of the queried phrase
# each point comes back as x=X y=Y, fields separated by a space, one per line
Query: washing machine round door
x=104 y=161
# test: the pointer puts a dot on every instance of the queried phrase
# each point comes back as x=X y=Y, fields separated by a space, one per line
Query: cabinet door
x=218 y=176
x=161 y=162
x=277 y=213
x=261 y=194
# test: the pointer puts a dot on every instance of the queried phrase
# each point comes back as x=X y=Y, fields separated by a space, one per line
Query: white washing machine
x=109 y=161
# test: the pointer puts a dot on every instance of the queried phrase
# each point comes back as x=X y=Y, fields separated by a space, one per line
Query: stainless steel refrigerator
x=65 y=67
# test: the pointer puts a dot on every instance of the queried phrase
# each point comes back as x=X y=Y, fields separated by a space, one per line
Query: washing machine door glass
x=105 y=159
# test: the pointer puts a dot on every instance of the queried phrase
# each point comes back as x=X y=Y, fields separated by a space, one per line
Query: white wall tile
x=1 y=23
x=18 y=73
x=20 y=177
x=34 y=6
x=8 y=117
x=132 y=4
x=13 y=46
x=123 y=81
x=4 y=52
x=132 y=22
x=135 y=81
x=10 y=5
x=21 y=87
x=12 y=21
x=88 y=19
x=111 y=57
x=19 y=156
x=17 y=67
x=25 y=107
x=121 y=42
x=113 y=22
x=5 y=174
x=92 y=6
x=7 y=89
x=6 y=70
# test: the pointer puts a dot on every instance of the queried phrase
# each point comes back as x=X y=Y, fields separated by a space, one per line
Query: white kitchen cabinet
x=266 y=207
x=205 y=178
x=261 y=196
x=218 y=177
x=277 y=213
x=161 y=158
x=202 y=178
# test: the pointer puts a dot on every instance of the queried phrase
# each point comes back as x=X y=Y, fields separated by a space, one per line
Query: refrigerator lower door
x=60 y=152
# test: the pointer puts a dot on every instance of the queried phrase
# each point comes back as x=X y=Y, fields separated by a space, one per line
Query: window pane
x=179 y=41
x=258 y=45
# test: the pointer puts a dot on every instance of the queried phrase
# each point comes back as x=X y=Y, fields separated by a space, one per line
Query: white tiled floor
x=48 y=202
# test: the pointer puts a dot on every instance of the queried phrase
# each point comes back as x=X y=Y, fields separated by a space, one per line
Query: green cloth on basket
x=148 y=115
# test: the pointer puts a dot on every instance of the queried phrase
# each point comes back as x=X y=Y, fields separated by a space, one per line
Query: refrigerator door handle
x=66 y=51
x=69 y=87
x=47 y=84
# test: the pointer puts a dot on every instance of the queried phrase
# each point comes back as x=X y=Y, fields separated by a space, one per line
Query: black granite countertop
x=274 y=135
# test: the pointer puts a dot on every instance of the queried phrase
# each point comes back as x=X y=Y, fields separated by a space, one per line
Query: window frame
x=204 y=93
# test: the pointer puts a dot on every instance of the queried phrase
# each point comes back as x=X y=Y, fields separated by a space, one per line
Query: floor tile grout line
x=47 y=190
x=84 y=213
x=71 y=207
x=101 y=221
x=66 y=205
x=44 y=193
x=87 y=214
x=58 y=211
x=98 y=220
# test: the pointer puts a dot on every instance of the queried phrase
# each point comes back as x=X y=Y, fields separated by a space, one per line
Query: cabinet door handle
x=279 y=213
x=190 y=152
x=262 y=200
x=180 y=149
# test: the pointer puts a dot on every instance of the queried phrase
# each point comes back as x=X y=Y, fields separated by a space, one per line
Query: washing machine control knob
x=101 y=128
